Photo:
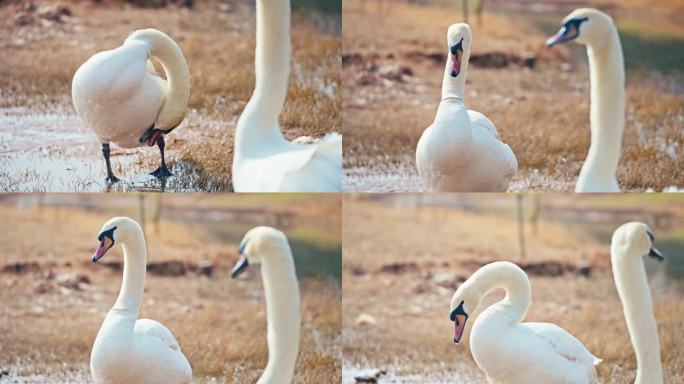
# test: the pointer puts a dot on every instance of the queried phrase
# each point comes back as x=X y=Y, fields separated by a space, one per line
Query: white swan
x=461 y=151
x=630 y=242
x=509 y=351
x=118 y=94
x=128 y=350
x=270 y=248
x=596 y=30
x=263 y=159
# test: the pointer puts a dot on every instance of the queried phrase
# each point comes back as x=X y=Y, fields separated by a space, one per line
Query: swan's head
x=116 y=230
x=585 y=26
x=463 y=303
x=636 y=239
x=259 y=244
x=458 y=40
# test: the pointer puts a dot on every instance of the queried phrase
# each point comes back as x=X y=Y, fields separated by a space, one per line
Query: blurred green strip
x=327 y=7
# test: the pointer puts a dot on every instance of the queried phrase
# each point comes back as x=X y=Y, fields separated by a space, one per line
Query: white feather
x=263 y=160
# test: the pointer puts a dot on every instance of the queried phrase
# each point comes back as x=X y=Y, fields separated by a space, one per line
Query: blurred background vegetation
x=311 y=222
x=328 y=7
x=593 y=218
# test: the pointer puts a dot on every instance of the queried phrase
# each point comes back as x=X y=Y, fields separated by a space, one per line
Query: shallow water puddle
x=53 y=151
x=405 y=178
x=75 y=378
x=460 y=376
x=397 y=179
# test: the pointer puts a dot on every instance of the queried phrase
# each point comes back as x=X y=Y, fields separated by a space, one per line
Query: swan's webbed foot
x=162 y=172
x=110 y=179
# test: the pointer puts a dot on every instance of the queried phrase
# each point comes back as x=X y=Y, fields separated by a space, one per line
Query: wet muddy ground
x=405 y=178
x=38 y=152
x=462 y=375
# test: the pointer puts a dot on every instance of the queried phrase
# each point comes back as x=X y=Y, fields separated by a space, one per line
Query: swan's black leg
x=161 y=172
x=110 y=176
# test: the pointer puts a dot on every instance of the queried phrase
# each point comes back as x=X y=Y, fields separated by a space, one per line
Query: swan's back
x=111 y=75
x=532 y=353
x=322 y=172
x=290 y=167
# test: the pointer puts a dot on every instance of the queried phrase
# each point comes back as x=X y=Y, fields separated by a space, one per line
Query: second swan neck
x=607 y=115
x=258 y=126
x=282 y=312
x=272 y=56
x=632 y=286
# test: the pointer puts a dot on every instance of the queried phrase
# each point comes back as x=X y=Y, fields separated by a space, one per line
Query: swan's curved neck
x=607 y=116
x=516 y=284
x=282 y=313
x=453 y=88
x=171 y=58
x=133 y=284
x=632 y=286
x=272 y=56
x=272 y=68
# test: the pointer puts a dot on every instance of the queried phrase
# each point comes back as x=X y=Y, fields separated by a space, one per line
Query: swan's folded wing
x=293 y=168
x=511 y=160
x=563 y=343
x=154 y=329
x=481 y=123
x=159 y=344
x=479 y=120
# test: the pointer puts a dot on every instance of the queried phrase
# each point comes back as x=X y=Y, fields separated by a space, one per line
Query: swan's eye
x=108 y=233
x=573 y=25
x=457 y=311
x=650 y=235
x=456 y=47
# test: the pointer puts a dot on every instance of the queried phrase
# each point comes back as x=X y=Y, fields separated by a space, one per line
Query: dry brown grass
x=543 y=114
x=220 y=323
x=673 y=9
x=412 y=336
x=38 y=64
